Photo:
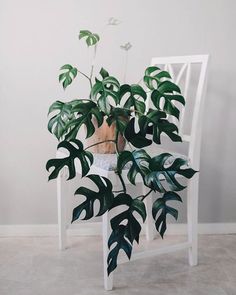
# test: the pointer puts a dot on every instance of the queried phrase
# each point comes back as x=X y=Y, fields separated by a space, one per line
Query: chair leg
x=61 y=211
x=108 y=280
x=149 y=220
x=192 y=218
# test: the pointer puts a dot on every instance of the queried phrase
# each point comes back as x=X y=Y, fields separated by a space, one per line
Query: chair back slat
x=183 y=76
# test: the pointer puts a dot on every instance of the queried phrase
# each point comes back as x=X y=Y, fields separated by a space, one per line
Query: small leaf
x=68 y=75
x=104 y=195
x=153 y=77
x=75 y=152
x=91 y=38
x=57 y=123
x=160 y=206
x=135 y=93
x=103 y=90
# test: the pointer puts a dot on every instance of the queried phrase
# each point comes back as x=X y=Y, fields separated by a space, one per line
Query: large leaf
x=86 y=112
x=160 y=206
x=91 y=38
x=123 y=235
x=137 y=139
x=155 y=123
x=104 y=195
x=167 y=91
x=133 y=100
x=68 y=75
x=117 y=237
x=159 y=166
x=120 y=117
x=57 y=124
x=139 y=159
x=153 y=77
x=103 y=90
x=76 y=151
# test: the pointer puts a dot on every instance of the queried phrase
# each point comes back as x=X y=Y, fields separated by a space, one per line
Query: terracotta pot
x=105 y=132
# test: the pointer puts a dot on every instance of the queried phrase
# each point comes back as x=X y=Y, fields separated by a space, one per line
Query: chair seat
x=109 y=161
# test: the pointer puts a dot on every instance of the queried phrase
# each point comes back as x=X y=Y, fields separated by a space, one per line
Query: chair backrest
x=188 y=71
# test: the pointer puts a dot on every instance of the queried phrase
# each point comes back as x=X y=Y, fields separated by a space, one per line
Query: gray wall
x=39 y=36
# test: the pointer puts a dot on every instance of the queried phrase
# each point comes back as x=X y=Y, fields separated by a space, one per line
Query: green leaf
x=135 y=92
x=140 y=161
x=57 y=124
x=76 y=151
x=91 y=38
x=155 y=123
x=104 y=73
x=68 y=75
x=166 y=90
x=117 y=237
x=160 y=206
x=85 y=111
x=137 y=139
x=159 y=166
x=120 y=117
x=104 y=195
x=103 y=90
x=153 y=77
x=124 y=235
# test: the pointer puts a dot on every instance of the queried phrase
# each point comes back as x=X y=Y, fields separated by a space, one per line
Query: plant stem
x=97 y=143
x=93 y=61
x=144 y=196
x=117 y=152
x=87 y=77
x=120 y=191
x=122 y=182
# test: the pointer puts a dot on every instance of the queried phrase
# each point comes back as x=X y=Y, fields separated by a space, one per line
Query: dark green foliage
x=160 y=206
x=139 y=160
x=76 y=151
x=159 y=166
x=125 y=228
x=135 y=92
x=86 y=112
x=154 y=123
x=104 y=195
x=166 y=90
x=120 y=117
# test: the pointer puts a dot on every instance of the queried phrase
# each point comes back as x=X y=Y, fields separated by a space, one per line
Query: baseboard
x=95 y=229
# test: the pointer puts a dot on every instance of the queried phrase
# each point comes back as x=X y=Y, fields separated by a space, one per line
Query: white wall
x=37 y=37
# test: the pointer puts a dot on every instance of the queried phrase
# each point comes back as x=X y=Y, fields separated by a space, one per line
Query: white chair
x=104 y=165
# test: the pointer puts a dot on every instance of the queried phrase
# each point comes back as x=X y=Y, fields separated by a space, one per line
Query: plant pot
x=102 y=133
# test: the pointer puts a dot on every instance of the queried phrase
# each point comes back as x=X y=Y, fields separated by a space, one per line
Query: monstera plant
x=123 y=106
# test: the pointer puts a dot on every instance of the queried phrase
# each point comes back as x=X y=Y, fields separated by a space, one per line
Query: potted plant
x=118 y=114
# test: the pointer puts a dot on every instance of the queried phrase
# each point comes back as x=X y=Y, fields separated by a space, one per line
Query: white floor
x=34 y=266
